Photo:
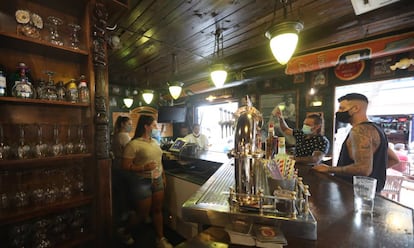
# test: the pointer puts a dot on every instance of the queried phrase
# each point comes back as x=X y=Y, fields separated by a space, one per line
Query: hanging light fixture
x=147 y=94
x=175 y=87
x=128 y=101
x=218 y=71
x=284 y=36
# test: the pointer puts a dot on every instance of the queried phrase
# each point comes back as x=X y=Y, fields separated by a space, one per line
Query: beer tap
x=225 y=122
x=221 y=122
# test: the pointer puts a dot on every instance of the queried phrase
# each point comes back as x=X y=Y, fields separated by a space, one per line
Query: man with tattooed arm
x=365 y=150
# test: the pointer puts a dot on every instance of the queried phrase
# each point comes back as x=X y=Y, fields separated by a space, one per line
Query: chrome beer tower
x=251 y=191
x=247 y=149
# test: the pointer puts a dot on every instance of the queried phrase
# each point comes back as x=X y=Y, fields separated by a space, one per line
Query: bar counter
x=331 y=204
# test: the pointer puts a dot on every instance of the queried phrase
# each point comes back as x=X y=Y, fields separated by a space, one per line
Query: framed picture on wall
x=314 y=100
x=299 y=78
x=287 y=101
x=319 y=78
x=380 y=67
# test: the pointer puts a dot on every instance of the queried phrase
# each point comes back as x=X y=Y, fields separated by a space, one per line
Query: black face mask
x=343 y=117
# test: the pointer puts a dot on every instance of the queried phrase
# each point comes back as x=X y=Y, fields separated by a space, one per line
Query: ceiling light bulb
x=218 y=75
x=283 y=40
x=175 y=89
x=283 y=46
x=128 y=101
x=148 y=95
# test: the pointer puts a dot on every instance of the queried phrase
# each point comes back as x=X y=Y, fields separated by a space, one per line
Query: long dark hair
x=143 y=120
x=119 y=121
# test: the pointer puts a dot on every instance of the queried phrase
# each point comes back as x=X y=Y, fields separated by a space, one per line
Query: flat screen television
x=168 y=114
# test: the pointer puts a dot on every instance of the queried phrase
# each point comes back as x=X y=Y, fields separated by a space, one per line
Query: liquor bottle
x=83 y=90
x=3 y=84
x=269 y=142
x=22 y=87
x=72 y=93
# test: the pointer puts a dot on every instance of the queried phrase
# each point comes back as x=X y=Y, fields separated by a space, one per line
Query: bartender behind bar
x=197 y=138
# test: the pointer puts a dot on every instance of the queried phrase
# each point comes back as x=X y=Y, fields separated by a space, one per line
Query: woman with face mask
x=143 y=158
x=311 y=144
x=120 y=139
x=123 y=126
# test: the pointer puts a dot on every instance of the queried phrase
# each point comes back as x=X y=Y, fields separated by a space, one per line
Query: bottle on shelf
x=3 y=84
x=22 y=87
x=270 y=142
x=40 y=89
x=83 y=90
x=72 y=94
x=61 y=91
x=50 y=88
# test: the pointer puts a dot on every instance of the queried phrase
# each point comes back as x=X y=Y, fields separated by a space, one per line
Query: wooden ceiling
x=152 y=31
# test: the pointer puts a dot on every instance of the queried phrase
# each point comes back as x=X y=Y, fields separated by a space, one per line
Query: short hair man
x=365 y=151
x=197 y=137
x=311 y=144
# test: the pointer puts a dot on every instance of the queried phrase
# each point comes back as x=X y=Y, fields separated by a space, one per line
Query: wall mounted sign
x=349 y=71
x=352 y=53
x=299 y=78
x=380 y=67
x=319 y=79
x=365 y=6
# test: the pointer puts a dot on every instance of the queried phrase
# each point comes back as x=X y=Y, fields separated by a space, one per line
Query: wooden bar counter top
x=331 y=203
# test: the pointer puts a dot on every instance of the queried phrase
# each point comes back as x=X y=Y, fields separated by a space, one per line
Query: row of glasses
x=49 y=231
x=39 y=187
x=36 y=146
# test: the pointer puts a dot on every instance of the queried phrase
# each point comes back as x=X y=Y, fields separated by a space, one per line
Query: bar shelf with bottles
x=41 y=101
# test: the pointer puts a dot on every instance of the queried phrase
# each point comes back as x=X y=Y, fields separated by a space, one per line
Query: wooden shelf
x=77 y=240
x=41 y=101
x=16 y=215
x=44 y=162
x=20 y=40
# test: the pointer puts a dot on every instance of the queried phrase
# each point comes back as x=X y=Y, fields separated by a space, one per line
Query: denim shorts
x=141 y=188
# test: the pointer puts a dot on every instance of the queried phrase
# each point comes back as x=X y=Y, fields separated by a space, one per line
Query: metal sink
x=195 y=170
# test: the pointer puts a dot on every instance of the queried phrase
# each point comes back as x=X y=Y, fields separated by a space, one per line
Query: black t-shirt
x=380 y=158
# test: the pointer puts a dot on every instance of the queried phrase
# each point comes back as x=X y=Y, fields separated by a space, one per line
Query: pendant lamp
x=147 y=94
x=284 y=36
x=128 y=101
x=175 y=87
x=218 y=71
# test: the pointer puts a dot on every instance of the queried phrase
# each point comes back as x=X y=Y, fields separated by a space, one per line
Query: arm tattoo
x=363 y=142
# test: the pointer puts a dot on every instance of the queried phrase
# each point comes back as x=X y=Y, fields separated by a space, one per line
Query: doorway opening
x=216 y=122
x=391 y=106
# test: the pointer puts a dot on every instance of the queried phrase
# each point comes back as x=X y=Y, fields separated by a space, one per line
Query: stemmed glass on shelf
x=74 y=39
x=4 y=148
x=23 y=150
x=57 y=147
x=41 y=149
x=69 y=146
x=81 y=145
x=54 y=36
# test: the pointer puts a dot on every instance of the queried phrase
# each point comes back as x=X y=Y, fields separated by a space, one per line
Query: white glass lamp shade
x=283 y=40
x=218 y=75
x=148 y=95
x=128 y=101
x=175 y=89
